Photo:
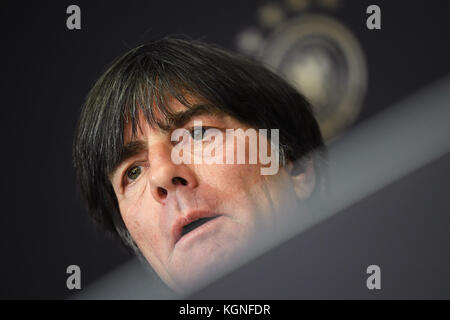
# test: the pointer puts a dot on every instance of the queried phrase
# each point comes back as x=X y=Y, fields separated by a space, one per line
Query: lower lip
x=207 y=226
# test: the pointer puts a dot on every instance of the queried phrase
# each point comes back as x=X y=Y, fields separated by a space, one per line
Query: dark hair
x=145 y=77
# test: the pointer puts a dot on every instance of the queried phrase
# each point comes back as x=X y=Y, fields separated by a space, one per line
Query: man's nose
x=165 y=175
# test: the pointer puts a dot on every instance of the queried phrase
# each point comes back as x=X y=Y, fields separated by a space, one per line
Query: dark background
x=47 y=71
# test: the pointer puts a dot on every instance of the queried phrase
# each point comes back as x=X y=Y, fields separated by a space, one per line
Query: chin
x=203 y=264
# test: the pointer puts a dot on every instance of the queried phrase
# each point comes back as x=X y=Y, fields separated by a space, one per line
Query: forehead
x=142 y=124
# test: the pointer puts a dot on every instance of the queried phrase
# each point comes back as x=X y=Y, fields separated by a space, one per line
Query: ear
x=303 y=177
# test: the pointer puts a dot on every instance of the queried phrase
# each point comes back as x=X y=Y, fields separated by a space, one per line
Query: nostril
x=162 y=193
x=179 y=180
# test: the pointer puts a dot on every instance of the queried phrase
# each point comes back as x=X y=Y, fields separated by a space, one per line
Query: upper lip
x=185 y=219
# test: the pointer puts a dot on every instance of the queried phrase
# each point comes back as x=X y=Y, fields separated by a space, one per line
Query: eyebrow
x=129 y=150
x=180 y=118
x=173 y=121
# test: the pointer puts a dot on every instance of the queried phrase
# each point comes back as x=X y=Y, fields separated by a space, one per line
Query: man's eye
x=134 y=172
x=198 y=133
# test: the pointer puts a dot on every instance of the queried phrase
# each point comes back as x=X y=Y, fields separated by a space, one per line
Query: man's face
x=227 y=204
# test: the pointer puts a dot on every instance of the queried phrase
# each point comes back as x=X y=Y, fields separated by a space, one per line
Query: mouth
x=195 y=225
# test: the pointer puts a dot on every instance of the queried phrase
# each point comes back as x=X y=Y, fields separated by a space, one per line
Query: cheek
x=142 y=221
x=136 y=207
x=250 y=197
x=239 y=189
x=232 y=179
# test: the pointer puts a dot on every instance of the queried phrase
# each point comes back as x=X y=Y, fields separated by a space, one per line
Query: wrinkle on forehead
x=157 y=118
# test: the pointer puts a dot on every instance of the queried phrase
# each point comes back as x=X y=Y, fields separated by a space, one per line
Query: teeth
x=195 y=224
